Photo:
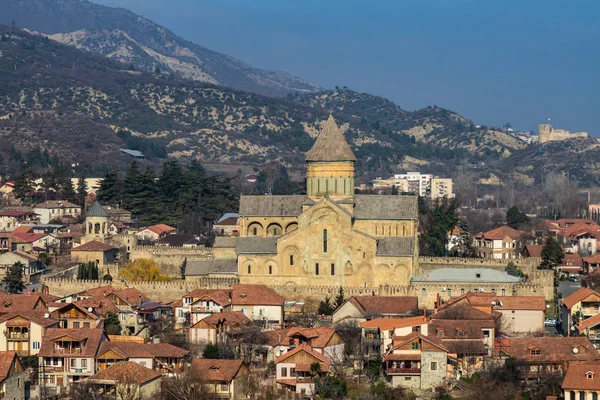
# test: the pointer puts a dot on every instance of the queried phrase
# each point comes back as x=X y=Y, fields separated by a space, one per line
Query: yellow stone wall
x=386 y=227
x=352 y=253
x=266 y=225
x=335 y=179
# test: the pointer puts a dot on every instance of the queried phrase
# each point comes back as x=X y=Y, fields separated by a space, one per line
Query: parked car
x=550 y=322
x=574 y=278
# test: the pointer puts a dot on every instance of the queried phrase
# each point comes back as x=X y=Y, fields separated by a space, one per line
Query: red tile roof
x=92 y=337
x=323 y=360
x=131 y=296
x=28 y=237
x=35 y=316
x=56 y=204
x=228 y=221
x=213 y=370
x=255 y=295
x=317 y=337
x=588 y=323
x=7 y=359
x=127 y=372
x=371 y=306
x=534 y=250
x=160 y=229
x=142 y=350
x=22 y=229
x=15 y=213
x=219 y=296
x=401 y=340
x=500 y=233
x=386 y=324
x=20 y=302
x=579 y=295
x=577 y=374
x=502 y=302
x=552 y=349
x=233 y=319
x=94 y=245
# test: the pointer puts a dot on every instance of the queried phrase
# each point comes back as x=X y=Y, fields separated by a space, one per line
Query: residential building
x=116 y=228
x=539 y=355
x=57 y=210
x=416 y=362
x=68 y=355
x=293 y=369
x=591 y=264
x=5 y=241
x=590 y=328
x=322 y=340
x=101 y=253
x=532 y=250
x=9 y=219
x=572 y=264
x=175 y=240
x=7 y=189
x=12 y=376
x=377 y=335
x=582 y=381
x=221 y=377
x=118 y=215
x=126 y=377
x=74 y=316
x=418 y=184
x=363 y=308
x=24 y=331
x=163 y=358
x=259 y=303
x=220 y=327
x=152 y=233
x=229 y=226
x=580 y=305
x=10 y=303
x=199 y=304
x=503 y=242
x=519 y=315
x=32 y=266
x=440 y=188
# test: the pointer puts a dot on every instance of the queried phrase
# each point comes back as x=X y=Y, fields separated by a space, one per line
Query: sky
x=492 y=61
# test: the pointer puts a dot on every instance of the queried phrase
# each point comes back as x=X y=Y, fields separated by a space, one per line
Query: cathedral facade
x=330 y=236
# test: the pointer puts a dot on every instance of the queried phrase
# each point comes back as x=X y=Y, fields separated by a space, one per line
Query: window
x=462 y=291
x=284 y=372
x=535 y=352
x=461 y=332
x=54 y=360
x=440 y=333
x=503 y=292
x=423 y=292
x=143 y=363
x=75 y=325
x=582 y=395
x=73 y=363
x=449 y=292
x=589 y=375
x=249 y=269
x=332 y=269
x=486 y=333
x=36 y=345
x=324 y=240
x=270 y=269
x=255 y=231
x=224 y=387
x=123 y=317
x=291 y=259
x=407 y=378
x=180 y=313
x=187 y=300
x=434 y=365
x=477 y=275
x=596 y=307
x=317 y=269
x=415 y=346
x=84 y=363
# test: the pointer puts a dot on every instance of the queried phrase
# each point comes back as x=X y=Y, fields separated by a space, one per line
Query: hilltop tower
x=96 y=223
x=330 y=165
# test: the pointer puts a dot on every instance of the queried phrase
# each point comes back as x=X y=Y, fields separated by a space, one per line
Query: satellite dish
x=46 y=315
x=90 y=309
x=281 y=348
x=575 y=350
x=494 y=302
x=277 y=353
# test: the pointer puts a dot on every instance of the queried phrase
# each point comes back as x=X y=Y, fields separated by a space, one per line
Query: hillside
x=83 y=108
x=129 y=38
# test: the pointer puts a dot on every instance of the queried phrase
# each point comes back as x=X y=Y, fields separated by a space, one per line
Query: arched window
x=390 y=230
x=324 y=240
x=291 y=259
x=493 y=291
x=423 y=292
x=503 y=292
x=332 y=269
x=462 y=291
x=270 y=269
x=317 y=269
x=249 y=269
x=403 y=231
x=97 y=228
x=396 y=230
x=254 y=231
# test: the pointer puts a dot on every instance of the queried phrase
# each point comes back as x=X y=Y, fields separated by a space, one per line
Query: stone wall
x=170 y=258
x=428 y=264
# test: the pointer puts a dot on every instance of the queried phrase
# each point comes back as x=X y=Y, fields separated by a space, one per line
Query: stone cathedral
x=330 y=236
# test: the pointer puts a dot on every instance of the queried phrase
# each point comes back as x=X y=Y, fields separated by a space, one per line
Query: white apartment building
x=424 y=185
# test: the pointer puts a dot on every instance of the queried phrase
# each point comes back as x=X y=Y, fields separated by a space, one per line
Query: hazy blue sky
x=493 y=61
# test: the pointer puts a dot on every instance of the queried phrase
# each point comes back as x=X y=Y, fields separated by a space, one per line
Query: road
x=566 y=288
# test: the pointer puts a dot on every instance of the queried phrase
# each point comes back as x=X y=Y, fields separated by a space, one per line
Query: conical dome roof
x=96 y=210
x=330 y=145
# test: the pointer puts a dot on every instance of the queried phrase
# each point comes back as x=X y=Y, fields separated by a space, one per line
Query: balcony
x=18 y=336
x=54 y=368
x=372 y=341
x=74 y=350
x=403 y=371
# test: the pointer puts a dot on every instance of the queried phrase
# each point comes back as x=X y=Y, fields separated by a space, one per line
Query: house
x=57 y=210
x=10 y=219
x=7 y=189
x=582 y=381
x=129 y=301
x=532 y=250
x=138 y=155
x=503 y=242
x=199 y=304
x=118 y=215
x=5 y=241
x=540 y=355
x=116 y=228
x=23 y=331
x=10 y=303
x=32 y=266
x=572 y=264
x=322 y=340
x=545 y=228
x=152 y=233
x=74 y=316
x=377 y=335
x=363 y=308
x=163 y=358
x=519 y=315
x=34 y=242
x=176 y=240
x=229 y=226
x=12 y=376
x=259 y=303
x=590 y=328
x=68 y=355
x=293 y=369
x=101 y=253
x=580 y=305
x=416 y=361
x=591 y=264
x=220 y=327
x=221 y=377
x=125 y=377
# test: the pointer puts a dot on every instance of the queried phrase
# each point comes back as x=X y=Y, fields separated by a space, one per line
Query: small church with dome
x=330 y=236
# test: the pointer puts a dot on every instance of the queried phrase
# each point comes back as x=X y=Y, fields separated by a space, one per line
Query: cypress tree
x=13 y=281
x=81 y=191
x=110 y=191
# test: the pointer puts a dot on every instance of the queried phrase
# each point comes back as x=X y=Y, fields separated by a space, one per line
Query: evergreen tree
x=13 y=281
x=515 y=218
x=339 y=300
x=81 y=191
x=394 y=190
x=112 y=326
x=183 y=268
x=436 y=222
x=110 y=191
x=131 y=186
x=552 y=254
x=325 y=307
x=24 y=185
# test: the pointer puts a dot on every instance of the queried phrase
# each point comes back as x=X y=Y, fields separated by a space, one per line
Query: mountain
x=124 y=36
x=81 y=108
